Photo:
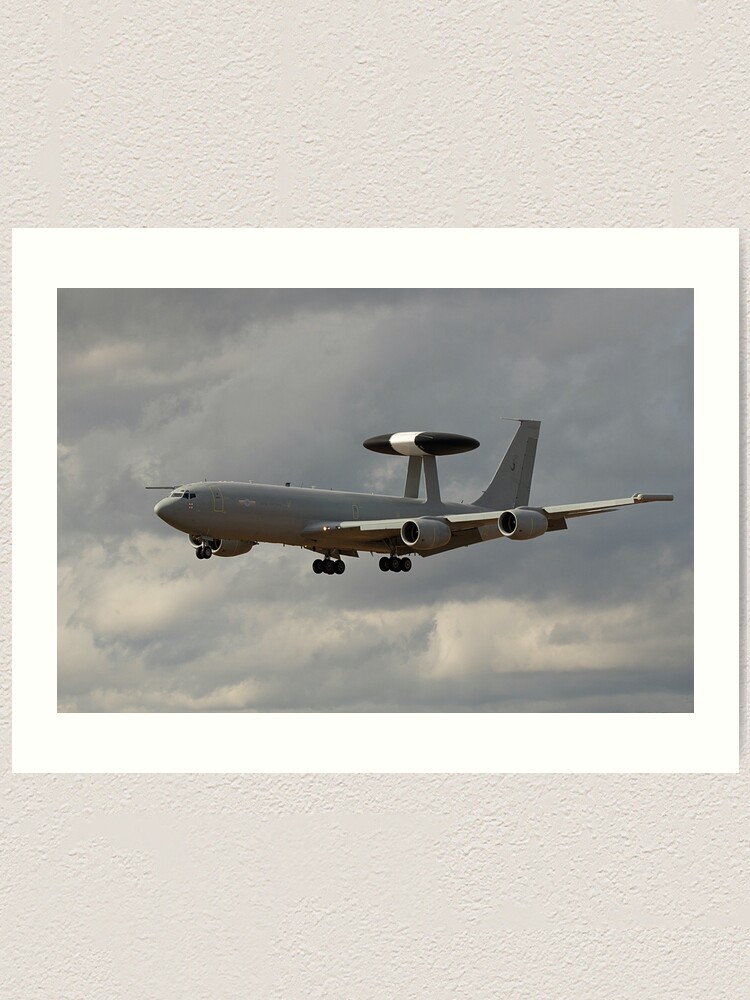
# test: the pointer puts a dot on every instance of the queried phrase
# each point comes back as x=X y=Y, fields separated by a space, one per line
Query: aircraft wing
x=340 y=533
x=600 y=506
x=558 y=514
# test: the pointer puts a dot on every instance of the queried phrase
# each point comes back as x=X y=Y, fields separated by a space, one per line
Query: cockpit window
x=177 y=493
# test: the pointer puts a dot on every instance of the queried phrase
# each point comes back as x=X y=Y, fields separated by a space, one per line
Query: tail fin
x=511 y=484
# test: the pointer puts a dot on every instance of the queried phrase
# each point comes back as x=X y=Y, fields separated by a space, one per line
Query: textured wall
x=312 y=114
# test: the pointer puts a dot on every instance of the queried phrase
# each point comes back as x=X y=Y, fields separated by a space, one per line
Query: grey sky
x=274 y=386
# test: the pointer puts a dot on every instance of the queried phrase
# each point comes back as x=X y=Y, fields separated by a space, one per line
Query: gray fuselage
x=283 y=514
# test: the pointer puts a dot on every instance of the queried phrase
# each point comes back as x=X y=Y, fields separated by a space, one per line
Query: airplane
x=229 y=519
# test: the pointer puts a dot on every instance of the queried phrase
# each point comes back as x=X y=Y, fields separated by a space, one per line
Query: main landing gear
x=204 y=551
x=394 y=564
x=329 y=566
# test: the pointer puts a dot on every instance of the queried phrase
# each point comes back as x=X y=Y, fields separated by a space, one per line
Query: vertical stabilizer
x=511 y=484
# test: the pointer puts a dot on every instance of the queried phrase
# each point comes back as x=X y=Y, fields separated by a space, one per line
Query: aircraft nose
x=161 y=509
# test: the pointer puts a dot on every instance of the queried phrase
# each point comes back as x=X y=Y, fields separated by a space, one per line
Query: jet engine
x=221 y=546
x=522 y=523
x=425 y=533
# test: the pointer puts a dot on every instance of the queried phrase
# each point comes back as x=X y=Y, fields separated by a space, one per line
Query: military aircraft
x=228 y=519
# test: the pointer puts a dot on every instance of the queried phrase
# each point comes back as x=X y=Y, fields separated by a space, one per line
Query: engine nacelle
x=425 y=533
x=521 y=523
x=222 y=546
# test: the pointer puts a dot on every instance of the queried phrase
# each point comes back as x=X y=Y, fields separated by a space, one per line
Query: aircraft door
x=218 y=499
x=355 y=512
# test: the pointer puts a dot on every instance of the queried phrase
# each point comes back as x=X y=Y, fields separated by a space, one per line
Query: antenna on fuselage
x=422 y=449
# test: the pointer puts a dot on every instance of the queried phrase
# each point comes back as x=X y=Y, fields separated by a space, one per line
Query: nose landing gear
x=206 y=547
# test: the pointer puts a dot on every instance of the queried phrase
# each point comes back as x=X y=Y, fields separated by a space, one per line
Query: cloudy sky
x=272 y=386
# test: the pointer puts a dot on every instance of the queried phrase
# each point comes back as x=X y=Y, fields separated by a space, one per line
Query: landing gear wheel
x=207 y=552
x=395 y=564
x=199 y=552
x=339 y=566
x=385 y=564
x=318 y=566
x=328 y=567
x=405 y=564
